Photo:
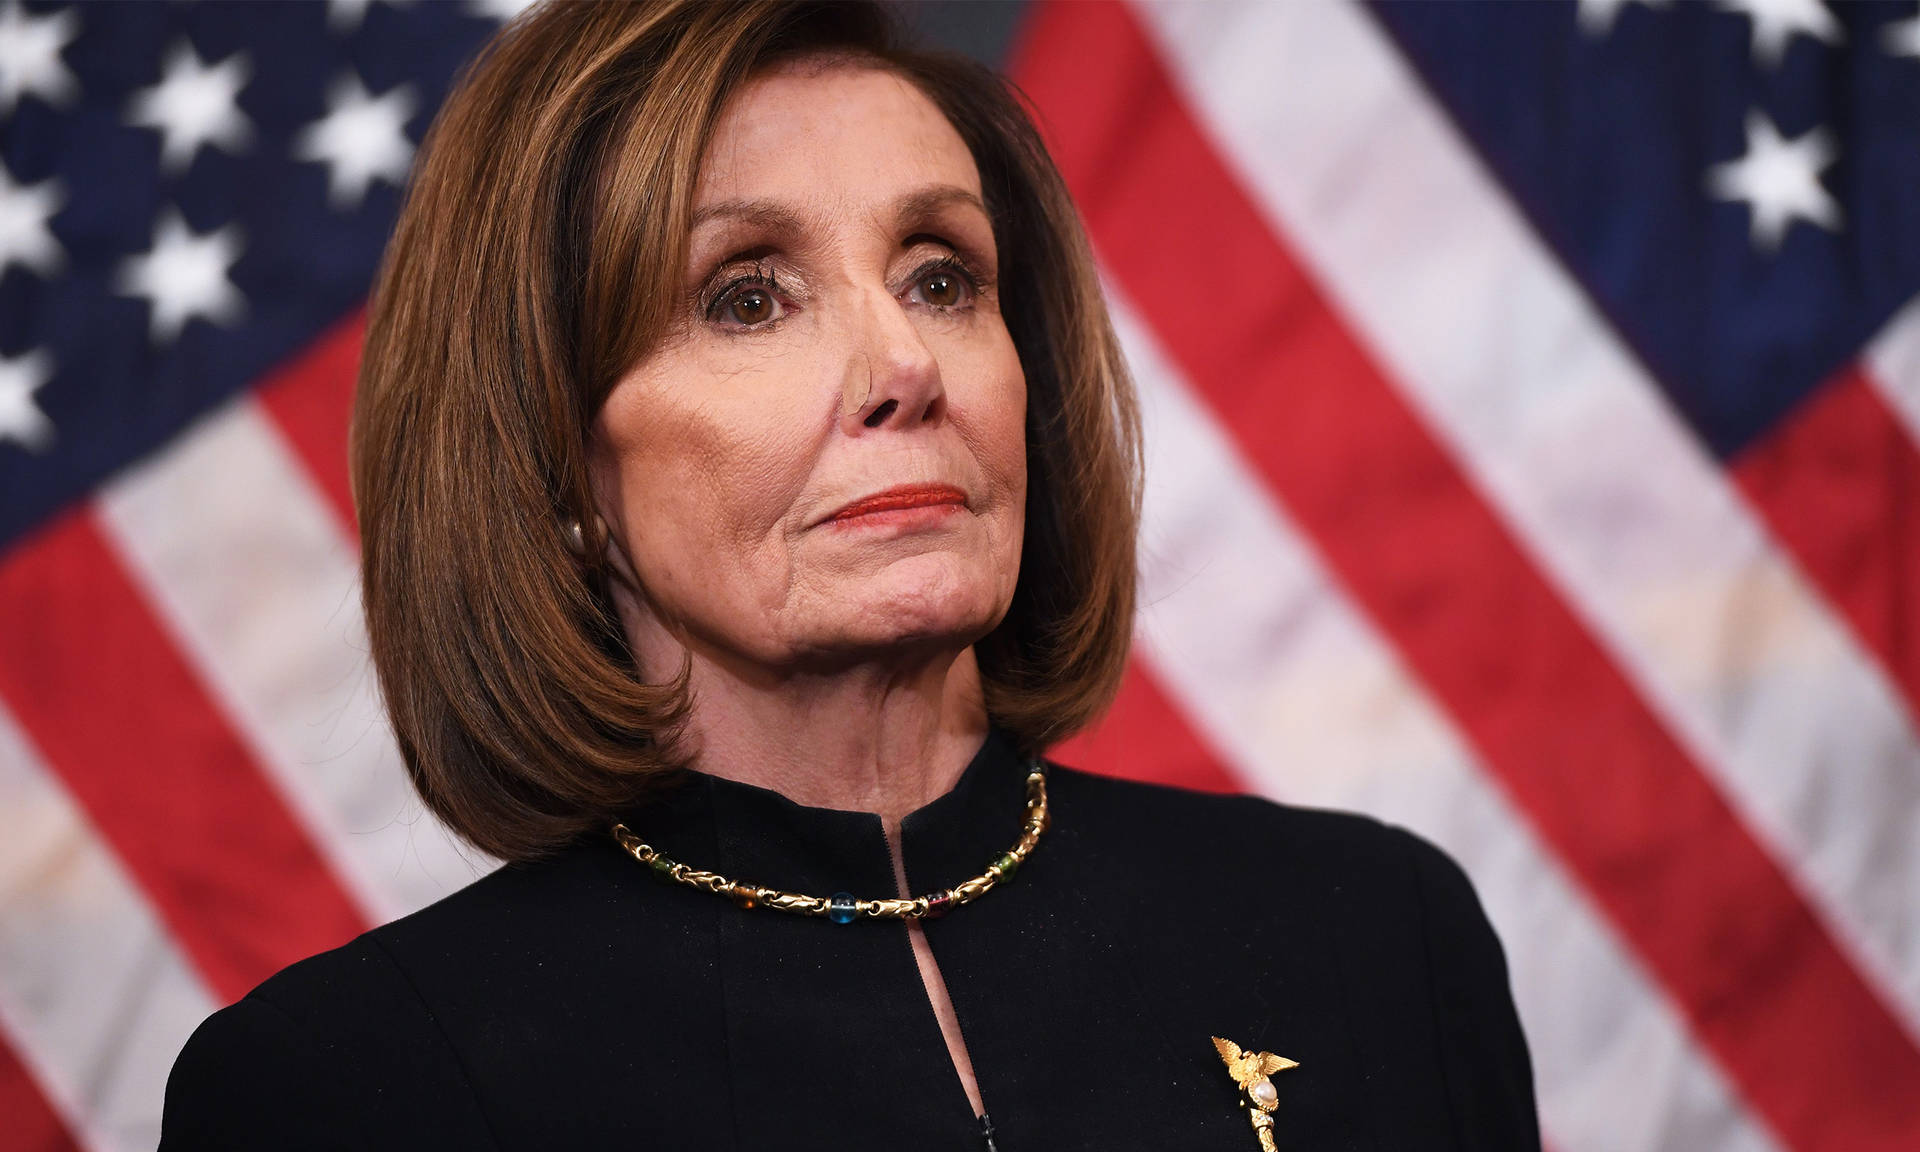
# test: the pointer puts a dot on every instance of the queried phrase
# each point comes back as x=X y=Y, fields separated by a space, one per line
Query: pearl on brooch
x=1263 y=1092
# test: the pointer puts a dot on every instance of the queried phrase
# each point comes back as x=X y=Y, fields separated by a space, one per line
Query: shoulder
x=282 y=1067
x=340 y=1049
x=232 y=1087
x=1387 y=910
x=1375 y=883
x=1253 y=835
x=336 y=1051
x=1381 y=889
x=377 y=973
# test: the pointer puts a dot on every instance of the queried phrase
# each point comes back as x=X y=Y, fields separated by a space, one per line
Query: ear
x=607 y=502
x=609 y=532
x=657 y=642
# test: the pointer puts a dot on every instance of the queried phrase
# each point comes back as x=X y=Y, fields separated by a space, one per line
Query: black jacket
x=582 y=1002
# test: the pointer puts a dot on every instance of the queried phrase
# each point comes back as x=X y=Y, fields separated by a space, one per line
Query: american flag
x=1533 y=401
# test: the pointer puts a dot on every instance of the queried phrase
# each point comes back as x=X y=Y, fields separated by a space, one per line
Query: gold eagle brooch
x=1250 y=1071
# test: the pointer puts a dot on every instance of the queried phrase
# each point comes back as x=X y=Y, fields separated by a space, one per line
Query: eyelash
x=950 y=263
x=763 y=278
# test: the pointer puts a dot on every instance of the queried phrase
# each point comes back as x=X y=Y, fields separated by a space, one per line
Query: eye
x=945 y=286
x=753 y=301
x=942 y=289
x=749 y=307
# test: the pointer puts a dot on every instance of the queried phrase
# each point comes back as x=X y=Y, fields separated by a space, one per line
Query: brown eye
x=750 y=306
x=943 y=287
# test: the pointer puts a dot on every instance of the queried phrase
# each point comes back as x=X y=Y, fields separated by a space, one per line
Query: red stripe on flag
x=1839 y=482
x=100 y=687
x=1144 y=737
x=310 y=397
x=1548 y=713
x=30 y=1123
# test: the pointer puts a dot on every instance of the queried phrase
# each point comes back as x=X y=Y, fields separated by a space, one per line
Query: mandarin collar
x=755 y=835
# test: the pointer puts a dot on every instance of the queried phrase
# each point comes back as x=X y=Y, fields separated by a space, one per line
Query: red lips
x=905 y=496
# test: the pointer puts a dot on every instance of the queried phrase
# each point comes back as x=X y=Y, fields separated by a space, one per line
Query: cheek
x=993 y=418
x=988 y=395
x=699 y=479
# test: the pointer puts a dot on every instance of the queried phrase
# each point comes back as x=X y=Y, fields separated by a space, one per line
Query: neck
x=870 y=739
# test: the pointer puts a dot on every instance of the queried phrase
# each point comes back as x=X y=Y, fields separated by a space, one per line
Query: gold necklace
x=842 y=907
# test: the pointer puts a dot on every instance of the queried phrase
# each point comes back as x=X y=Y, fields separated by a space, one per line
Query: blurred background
x=1533 y=405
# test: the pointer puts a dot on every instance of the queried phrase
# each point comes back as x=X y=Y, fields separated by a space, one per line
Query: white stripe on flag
x=1263 y=651
x=1488 y=336
x=93 y=993
x=242 y=559
x=1893 y=364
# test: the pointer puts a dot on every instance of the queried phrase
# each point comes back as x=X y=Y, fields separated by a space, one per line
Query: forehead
x=811 y=129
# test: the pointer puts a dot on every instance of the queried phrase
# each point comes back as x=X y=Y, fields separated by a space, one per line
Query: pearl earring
x=575 y=535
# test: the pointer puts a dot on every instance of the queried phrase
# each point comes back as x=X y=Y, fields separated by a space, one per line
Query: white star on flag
x=1902 y=37
x=1776 y=22
x=30 y=62
x=26 y=235
x=1597 y=16
x=360 y=138
x=185 y=275
x=20 y=418
x=194 y=104
x=1779 y=179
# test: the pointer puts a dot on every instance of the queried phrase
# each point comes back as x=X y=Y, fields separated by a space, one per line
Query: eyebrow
x=770 y=214
x=766 y=213
x=925 y=202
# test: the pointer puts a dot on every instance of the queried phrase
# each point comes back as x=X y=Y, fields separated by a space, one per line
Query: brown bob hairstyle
x=537 y=260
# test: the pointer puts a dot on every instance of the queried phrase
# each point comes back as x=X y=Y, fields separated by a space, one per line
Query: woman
x=747 y=479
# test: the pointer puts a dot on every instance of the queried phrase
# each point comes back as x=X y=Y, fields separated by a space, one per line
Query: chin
x=913 y=604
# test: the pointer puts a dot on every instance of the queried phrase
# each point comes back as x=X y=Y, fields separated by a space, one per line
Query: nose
x=892 y=379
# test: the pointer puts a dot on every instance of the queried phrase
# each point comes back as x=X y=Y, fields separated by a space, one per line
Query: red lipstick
x=904 y=497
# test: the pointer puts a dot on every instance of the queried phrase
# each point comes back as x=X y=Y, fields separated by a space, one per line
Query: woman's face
x=825 y=462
